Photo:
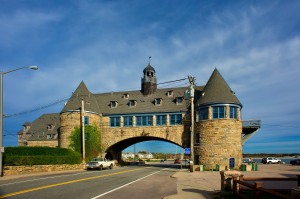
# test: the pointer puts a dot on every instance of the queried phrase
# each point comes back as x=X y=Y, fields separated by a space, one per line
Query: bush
x=16 y=156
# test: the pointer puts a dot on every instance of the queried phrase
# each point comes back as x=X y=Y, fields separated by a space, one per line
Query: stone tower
x=71 y=116
x=149 y=84
x=218 y=126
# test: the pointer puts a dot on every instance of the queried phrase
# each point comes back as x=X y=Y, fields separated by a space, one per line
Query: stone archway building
x=129 y=117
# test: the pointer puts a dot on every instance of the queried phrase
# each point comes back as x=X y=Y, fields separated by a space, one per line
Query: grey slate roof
x=101 y=102
x=144 y=104
x=74 y=103
x=217 y=91
x=39 y=127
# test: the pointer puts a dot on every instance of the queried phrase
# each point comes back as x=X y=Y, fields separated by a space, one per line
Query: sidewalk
x=196 y=185
x=207 y=185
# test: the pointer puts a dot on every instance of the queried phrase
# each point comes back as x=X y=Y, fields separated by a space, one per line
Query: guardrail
x=251 y=124
x=257 y=186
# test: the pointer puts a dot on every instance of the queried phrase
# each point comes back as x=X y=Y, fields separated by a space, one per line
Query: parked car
x=270 y=160
x=177 y=161
x=295 y=162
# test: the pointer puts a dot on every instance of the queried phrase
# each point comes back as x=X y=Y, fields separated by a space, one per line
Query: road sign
x=187 y=151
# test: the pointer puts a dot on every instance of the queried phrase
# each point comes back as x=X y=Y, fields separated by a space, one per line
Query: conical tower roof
x=217 y=91
x=149 y=68
x=82 y=93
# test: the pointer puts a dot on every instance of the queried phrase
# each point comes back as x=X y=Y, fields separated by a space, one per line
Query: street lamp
x=1 y=111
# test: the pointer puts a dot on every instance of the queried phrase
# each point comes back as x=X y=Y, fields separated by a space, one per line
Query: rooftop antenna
x=149 y=59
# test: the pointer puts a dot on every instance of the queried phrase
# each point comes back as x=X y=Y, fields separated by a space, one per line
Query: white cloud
x=107 y=46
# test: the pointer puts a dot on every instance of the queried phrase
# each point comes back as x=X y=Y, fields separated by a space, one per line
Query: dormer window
x=170 y=93
x=50 y=136
x=179 y=100
x=158 y=101
x=132 y=103
x=113 y=104
x=126 y=96
x=50 y=127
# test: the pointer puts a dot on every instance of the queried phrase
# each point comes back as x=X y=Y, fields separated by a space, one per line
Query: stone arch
x=114 y=151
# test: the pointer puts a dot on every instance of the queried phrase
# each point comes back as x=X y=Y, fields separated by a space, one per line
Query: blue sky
x=254 y=44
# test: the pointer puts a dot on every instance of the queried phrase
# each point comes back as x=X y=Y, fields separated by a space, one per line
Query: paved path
x=206 y=184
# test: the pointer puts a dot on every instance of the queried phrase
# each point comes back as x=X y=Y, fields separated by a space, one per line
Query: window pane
x=127 y=120
x=138 y=121
x=115 y=121
x=160 y=120
x=86 y=120
x=218 y=112
x=175 y=119
x=149 y=122
x=233 y=112
x=178 y=119
x=203 y=113
x=221 y=112
x=172 y=119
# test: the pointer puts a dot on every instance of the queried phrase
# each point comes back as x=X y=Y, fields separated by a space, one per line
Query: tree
x=92 y=141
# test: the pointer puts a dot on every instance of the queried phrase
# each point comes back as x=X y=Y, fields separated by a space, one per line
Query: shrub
x=16 y=156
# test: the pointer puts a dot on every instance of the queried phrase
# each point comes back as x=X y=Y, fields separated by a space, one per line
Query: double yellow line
x=65 y=183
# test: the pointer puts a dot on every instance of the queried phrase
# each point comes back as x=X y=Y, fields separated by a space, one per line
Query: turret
x=219 y=125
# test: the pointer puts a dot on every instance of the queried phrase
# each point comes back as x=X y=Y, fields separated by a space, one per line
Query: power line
x=172 y=81
x=38 y=108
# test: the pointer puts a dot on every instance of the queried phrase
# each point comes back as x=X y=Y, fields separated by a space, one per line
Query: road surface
x=121 y=182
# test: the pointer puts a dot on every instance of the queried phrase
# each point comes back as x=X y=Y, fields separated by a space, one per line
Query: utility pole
x=134 y=152
x=82 y=130
x=191 y=80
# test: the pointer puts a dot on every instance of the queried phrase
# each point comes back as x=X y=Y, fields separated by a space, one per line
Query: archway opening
x=144 y=144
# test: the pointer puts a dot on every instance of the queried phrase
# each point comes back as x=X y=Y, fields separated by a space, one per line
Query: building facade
x=151 y=113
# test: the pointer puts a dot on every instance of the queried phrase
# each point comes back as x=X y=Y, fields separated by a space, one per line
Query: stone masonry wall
x=219 y=140
x=21 y=170
x=175 y=134
x=178 y=134
x=69 y=121
x=52 y=143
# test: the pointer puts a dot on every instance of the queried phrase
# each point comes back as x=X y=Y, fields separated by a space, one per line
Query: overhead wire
x=38 y=108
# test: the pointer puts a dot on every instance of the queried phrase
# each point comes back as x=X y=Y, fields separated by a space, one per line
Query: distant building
x=42 y=132
x=151 y=113
x=139 y=155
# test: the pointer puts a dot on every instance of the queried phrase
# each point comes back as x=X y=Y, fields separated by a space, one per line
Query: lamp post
x=1 y=111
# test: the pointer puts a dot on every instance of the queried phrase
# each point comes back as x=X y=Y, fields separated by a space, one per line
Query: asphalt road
x=121 y=182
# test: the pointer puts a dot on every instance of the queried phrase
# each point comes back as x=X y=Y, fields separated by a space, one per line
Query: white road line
x=125 y=185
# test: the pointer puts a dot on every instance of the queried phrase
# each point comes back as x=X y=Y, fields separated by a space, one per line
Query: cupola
x=149 y=84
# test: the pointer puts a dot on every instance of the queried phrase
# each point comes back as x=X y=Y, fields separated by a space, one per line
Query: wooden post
x=222 y=182
x=257 y=191
x=235 y=186
x=241 y=186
